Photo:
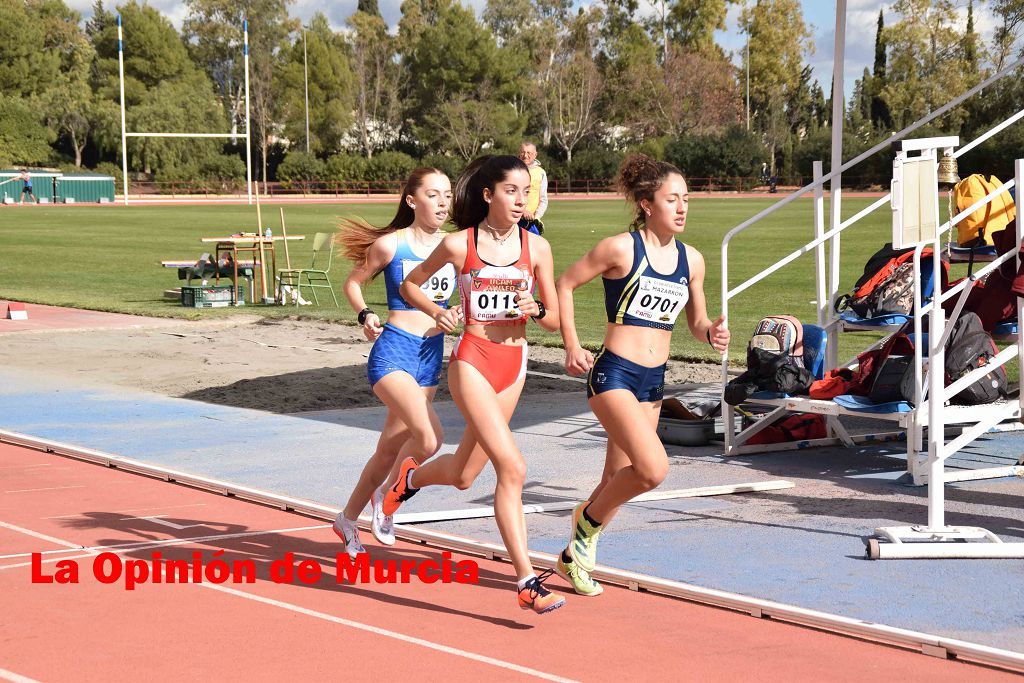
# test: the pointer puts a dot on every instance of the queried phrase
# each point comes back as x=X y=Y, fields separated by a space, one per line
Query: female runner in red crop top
x=498 y=263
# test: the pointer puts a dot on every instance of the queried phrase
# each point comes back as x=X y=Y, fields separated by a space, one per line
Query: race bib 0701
x=658 y=301
x=441 y=284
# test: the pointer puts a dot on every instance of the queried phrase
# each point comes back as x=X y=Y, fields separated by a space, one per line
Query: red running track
x=69 y=510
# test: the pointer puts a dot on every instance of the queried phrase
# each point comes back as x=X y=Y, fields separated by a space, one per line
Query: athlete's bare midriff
x=646 y=346
x=414 y=322
x=510 y=335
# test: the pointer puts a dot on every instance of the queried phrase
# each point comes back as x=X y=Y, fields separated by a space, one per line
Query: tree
x=701 y=94
x=635 y=98
x=368 y=7
x=23 y=139
x=27 y=61
x=464 y=124
x=330 y=89
x=1007 y=39
x=778 y=41
x=164 y=92
x=571 y=95
x=880 y=116
x=378 y=82
x=692 y=23
x=451 y=54
x=214 y=32
x=178 y=105
x=926 y=68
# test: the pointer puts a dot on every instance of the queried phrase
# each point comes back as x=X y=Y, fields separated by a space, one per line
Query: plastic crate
x=209 y=296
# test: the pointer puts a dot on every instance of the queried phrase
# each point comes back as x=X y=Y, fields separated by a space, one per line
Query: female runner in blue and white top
x=649 y=279
x=404 y=366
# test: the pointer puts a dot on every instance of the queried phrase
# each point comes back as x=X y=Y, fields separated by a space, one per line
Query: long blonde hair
x=356 y=235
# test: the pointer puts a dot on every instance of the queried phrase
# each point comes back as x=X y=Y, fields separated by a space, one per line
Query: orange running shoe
x=400 y=491
x=538 y=598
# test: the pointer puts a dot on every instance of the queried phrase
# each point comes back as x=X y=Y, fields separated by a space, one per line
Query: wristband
x=542 y=312
x=364 y=314
x=709 y=338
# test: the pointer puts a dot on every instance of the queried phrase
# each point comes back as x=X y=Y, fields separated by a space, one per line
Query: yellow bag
x=993 y=216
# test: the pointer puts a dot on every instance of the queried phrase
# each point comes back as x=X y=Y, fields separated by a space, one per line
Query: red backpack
x=886 y=287
x=799 y=427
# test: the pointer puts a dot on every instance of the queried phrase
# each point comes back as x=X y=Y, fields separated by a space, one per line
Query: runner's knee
x=463 y=480
x=650 y=475
x=426 y=442
x=512 y=472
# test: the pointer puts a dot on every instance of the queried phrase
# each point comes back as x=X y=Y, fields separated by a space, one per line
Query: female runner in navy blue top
x=404 y=366
x=649 y=279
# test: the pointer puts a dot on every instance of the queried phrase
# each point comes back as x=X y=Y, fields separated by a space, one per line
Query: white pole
x=819 y=251
x=305 y=78
x=248 y=122
x=1019 y=183
x=838 y=66
x=124 y=139
x=936 y=426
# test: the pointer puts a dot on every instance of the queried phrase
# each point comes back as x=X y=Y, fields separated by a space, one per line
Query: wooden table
x=254 y=244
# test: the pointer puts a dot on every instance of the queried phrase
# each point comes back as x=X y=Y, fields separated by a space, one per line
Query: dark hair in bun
x=639 y=178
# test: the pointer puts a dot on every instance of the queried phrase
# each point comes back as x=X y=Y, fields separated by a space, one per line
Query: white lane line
x=15 y=678
x=145 y=545
x=121 y=512
x=390 y=634
x=36 y=534
x=48 y=488
x=25 y=467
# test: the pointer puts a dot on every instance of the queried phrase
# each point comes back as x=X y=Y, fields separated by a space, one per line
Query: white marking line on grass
x=121 y=512
x=15 y=678
x=48 y=488
x=145 y=545
x=389 y=634
x=44 y=537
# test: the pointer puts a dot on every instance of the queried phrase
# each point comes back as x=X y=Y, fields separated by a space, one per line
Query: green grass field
x=107 y=258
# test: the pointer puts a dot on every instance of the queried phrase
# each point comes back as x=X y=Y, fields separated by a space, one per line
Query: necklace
x=494 y=233
x=429 y=245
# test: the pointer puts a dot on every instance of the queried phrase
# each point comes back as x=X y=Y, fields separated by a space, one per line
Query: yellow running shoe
x=583 y=546
x=578 y=578
x=538 y=598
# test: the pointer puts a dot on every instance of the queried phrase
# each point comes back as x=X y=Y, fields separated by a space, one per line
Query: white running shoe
x=348 y=532
x=382 y=526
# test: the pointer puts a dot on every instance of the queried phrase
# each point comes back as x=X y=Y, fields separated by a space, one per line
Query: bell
x=947 y=175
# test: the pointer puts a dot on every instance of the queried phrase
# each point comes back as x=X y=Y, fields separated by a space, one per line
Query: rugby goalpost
x=124 y=130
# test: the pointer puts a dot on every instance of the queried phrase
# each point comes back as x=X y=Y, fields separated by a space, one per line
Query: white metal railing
x=825 y=308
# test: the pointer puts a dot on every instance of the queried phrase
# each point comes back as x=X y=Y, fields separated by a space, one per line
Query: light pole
x=305 y=78
x=748 y=80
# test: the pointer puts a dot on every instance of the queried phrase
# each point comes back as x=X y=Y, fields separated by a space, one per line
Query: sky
x=862 y=17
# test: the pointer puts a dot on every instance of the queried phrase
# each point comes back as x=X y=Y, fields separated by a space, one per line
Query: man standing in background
x=537 y=201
